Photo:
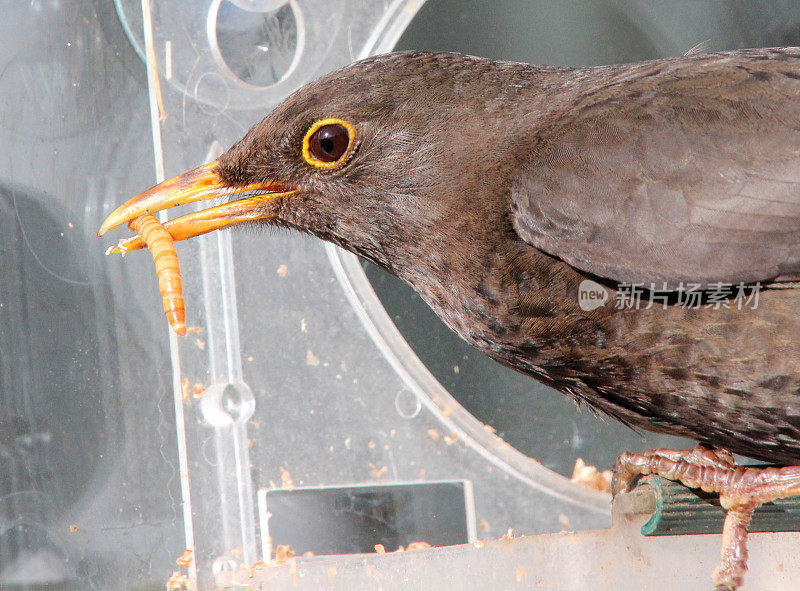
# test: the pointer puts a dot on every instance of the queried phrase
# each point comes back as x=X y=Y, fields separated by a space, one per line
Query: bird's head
x=376 y=157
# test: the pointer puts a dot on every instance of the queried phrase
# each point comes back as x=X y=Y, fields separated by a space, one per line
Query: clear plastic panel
x=296 y=391
x=297 y=379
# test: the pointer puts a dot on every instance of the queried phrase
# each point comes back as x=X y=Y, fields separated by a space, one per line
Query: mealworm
x=168 y=271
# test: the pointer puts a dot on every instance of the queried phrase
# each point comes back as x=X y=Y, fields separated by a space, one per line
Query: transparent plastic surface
x=88 y=464
x=122 y=446
x=615 y=559
x=328 y=407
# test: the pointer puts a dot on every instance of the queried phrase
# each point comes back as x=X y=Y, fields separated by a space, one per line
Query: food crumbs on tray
x=371 y=444
x=484 y=525
x=447 y=411
x=433 y=434
x=591 y=476
x=331 y=572
x=255 y=566
x=184 y=559
x=521 y=575
x=198 y=389
x=392 y=433
x=478 y=544
x=378 y=472
x=193 y=329
x=185 y=389
x=308 y=554
x=311 y=359
x=286 y=478
x=282 y=553
x=73 y=527
x=380 y=549
x=451 y=439
x=490 y=429
x=417 y=546
x=177 y=582
x=283 y=271
x=303 y=325
x=293 y=571
x=201 y=344
x=509 y=535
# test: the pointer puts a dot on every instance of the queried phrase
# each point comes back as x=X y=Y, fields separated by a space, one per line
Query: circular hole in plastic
x=226 y=404
x=212 y=93
x=257 y=39
x=407 y=404
x=534 y=419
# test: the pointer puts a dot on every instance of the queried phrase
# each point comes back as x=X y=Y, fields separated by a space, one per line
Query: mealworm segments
x=168 y=271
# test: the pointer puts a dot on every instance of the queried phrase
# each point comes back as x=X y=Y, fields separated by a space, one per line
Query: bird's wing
x=684 y=170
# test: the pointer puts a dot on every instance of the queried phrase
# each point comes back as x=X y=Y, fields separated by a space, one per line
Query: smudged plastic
x=122 y=445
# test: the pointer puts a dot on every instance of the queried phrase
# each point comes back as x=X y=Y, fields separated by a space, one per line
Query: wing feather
x=682 y=170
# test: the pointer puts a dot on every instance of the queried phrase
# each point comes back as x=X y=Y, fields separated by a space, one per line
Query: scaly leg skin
x=741 y=489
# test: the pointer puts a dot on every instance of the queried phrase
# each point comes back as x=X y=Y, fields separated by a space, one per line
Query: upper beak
x=199 y=184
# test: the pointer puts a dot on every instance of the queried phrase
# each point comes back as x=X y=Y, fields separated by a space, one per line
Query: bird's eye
x=328 y=142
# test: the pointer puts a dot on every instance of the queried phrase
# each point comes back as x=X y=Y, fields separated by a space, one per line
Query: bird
x=526 y=205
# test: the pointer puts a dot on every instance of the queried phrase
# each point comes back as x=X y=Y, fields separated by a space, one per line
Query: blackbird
x=527 y=204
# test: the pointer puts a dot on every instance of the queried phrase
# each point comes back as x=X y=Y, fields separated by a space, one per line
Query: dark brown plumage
x=496 y=188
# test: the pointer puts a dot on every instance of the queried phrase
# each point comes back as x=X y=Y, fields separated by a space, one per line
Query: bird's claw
x=741 y=490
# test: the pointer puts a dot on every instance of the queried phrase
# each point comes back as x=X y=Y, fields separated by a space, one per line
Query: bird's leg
x=741 y=489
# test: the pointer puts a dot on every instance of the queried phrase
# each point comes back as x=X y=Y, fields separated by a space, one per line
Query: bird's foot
x=741 y=489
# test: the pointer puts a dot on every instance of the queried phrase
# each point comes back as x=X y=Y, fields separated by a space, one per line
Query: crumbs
x=591 y=476
x=283 y=553
x=509 y=535
x=286 y=478
x=377 y=472
x=311 y=359
x=185 y=559
x=177 y=582
x=188 y=390
x=381 y=549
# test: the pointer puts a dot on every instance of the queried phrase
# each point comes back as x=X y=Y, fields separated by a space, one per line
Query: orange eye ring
x=323 y=144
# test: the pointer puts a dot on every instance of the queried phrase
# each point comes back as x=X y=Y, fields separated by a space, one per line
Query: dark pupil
x=329 y=142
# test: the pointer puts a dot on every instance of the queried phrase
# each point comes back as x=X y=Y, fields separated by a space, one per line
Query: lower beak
x=200 y=184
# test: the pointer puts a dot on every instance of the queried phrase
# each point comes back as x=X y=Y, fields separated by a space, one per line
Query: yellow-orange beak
x=199 y=184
